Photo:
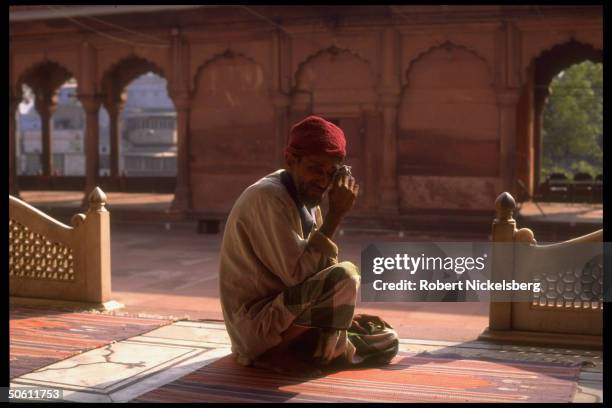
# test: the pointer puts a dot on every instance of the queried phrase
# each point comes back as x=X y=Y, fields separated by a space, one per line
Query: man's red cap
x=315 y=135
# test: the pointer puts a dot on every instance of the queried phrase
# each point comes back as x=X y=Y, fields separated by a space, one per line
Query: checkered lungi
x=325 y=302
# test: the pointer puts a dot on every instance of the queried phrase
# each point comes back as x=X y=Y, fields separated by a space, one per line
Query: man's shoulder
x=266 y=189
x=269 y=185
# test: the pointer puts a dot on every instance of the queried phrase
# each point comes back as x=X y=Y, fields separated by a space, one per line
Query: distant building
x=148 y=141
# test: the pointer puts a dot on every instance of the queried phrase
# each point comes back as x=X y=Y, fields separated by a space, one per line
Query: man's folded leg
x=326 y=302
x=307 y=315
x=317 y=318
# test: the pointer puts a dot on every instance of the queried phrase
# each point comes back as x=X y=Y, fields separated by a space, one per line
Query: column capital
x=114 y=100
x=45 y=101
x=114 y=105
x=91 y=103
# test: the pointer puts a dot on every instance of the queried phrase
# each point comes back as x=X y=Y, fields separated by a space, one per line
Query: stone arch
x=301 y=74
x=447 y=129
x=532 y=53
x=232 y=130
x=226 y=53
x=45 y=78
x=136 y=121
x=125 y=70
x=54 y=72
x=447 y=45
x=332 y=50
x=22 y=65
x=566 y=54
x=110 y=59
x=539 y=73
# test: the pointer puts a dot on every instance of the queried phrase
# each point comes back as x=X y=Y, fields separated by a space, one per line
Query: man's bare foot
x=283 y=361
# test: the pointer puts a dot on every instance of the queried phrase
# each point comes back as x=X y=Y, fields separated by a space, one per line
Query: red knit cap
x=315 y=135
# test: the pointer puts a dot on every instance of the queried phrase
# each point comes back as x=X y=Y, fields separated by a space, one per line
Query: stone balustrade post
x=503 y=229
x=98 y=252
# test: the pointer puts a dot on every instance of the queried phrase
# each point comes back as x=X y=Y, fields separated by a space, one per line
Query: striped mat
x=409 y=378
x=39 y=337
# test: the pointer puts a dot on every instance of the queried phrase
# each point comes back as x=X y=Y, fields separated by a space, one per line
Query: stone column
x=504 y=227
x=13 y=105
x=114 y=105
x=182 y=193
x=389 y=98
x=390 y=196
x=46 y=104
x=281 y=117
x=539 y=98
x=300 y=106
x=91 y=105
x=179 y=90
x=507 y=100
x=281 y=92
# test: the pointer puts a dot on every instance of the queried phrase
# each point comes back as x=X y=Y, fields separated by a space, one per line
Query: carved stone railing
x=568 y=311
x=51 y=260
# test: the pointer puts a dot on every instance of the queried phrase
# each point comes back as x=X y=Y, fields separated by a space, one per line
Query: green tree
x=572 y=123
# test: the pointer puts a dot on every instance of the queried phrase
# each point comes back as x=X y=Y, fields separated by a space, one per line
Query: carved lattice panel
x=31 y=255
x=575 y=288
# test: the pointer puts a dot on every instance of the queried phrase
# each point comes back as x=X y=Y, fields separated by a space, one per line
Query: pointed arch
x=447 y=45
x=331 y=50
x=533 y=52
x=110 y=59
x=125 y=70
x=227 y=53
x=231 y=127
x=566 y=53
x=45 y=70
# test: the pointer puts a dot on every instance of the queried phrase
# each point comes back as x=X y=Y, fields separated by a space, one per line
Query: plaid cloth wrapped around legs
x=326 y=303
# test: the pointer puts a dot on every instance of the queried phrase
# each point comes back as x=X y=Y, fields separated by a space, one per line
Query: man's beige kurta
x=264 y=252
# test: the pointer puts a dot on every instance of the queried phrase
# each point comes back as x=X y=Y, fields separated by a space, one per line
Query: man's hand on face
x=342 y=195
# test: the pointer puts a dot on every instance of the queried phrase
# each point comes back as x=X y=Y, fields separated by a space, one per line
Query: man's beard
x=308 y=200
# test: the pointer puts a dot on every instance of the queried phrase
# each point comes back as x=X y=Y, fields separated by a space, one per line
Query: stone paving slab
x=122 y=371
x=195 y=334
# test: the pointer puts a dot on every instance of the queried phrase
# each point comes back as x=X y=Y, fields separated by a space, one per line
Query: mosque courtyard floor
x=168 y=343
x=189 y=361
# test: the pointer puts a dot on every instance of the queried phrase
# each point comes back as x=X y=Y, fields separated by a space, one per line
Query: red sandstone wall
x=427 y=97
x=448 y=143
x=231 y=132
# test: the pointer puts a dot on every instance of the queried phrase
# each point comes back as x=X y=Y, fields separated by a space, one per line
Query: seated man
x=288 y=303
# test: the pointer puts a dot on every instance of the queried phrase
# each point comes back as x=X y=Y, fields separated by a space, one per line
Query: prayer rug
x=409 y=377
x=40 y=337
